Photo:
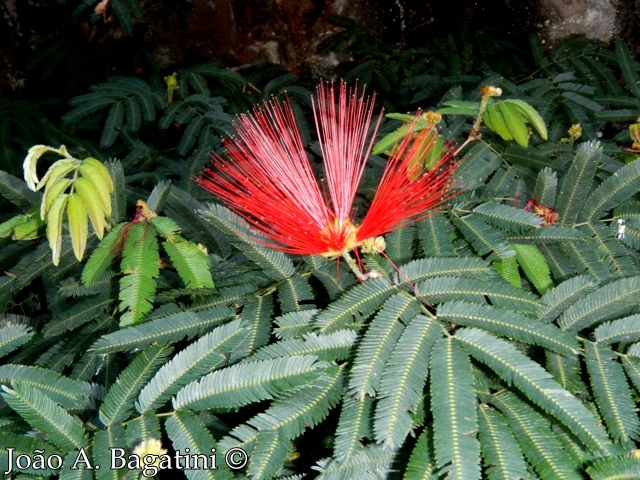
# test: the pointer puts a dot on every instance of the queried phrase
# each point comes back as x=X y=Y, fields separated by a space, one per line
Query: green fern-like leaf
x=536 y=383
x=373 y=461
x=403 y=380
x=507 y=218
x=257 y=315
x=548 y=234
x=534 y=266
x=81 y=473
x=501 y=293
x=628 y=67
x=543 y=449
x=16 y=190
x=454 y=407
x=509 y=324
x=398 y=244
x=502 y=181
x=245 y=383
x=12 y=336
x=612 y=393
x=546 y=187
x=576 y=184
x=275 y=263
x=477 y=165
x=484 y=238
x=421 y=269
x=376 y=346
x=617 y=188
x=564 y=295
x=23 y=445
x=118 y=196
x=156 y=202
x=206 y=354
x=44 y=415
x=421 y=465
x=292 y=292
x=72 y=287
x=168 y=329
x=586 y=259
x=188 y=434
x=105 y=445
x=142 y=427
x=125 y=11
x=140 y=266
x=567 y=371
x=610 y=301
x=631 y=366
x=356 y=305
x=191 y=133
x=295 y=324
x=334 y=278
x=112 y=95
x=612 y=468
x=133 y=114
x=119 y=401
x=329 y=347
x=508 y=269
x=626 y=329
x=434 y=234
x=268 y=455
x=112 y=125
x=353 y=426
x=618 y=259
x=102 y=256
x=80 y=313
x=190 y=261
x=531 y=158
x=502 y=458
x=64 y=391
x=65 y=351
x=303 y=407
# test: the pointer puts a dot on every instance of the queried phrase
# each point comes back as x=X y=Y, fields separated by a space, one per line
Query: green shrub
x=523 y=362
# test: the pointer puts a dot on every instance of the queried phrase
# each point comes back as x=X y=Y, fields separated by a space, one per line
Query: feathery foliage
x=505 y=344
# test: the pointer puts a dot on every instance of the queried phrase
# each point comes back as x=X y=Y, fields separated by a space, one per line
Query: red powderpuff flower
x=268 y=180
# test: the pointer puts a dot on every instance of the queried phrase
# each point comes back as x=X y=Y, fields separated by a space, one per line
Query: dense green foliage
x=501 y=348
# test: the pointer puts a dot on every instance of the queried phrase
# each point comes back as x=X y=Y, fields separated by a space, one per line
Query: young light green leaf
x=530 y=115
x=58 y=170
x=78 y=224
x=54 y=226
x=515 y=122
x=92 y=203
x=140 y=264
x=190 y=261
x=51 y=193
x=534 y=266
x=94 y=171
x=494 y=119
x=31 y=160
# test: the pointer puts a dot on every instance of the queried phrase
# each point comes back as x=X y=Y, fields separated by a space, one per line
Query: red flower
x=268 y=180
